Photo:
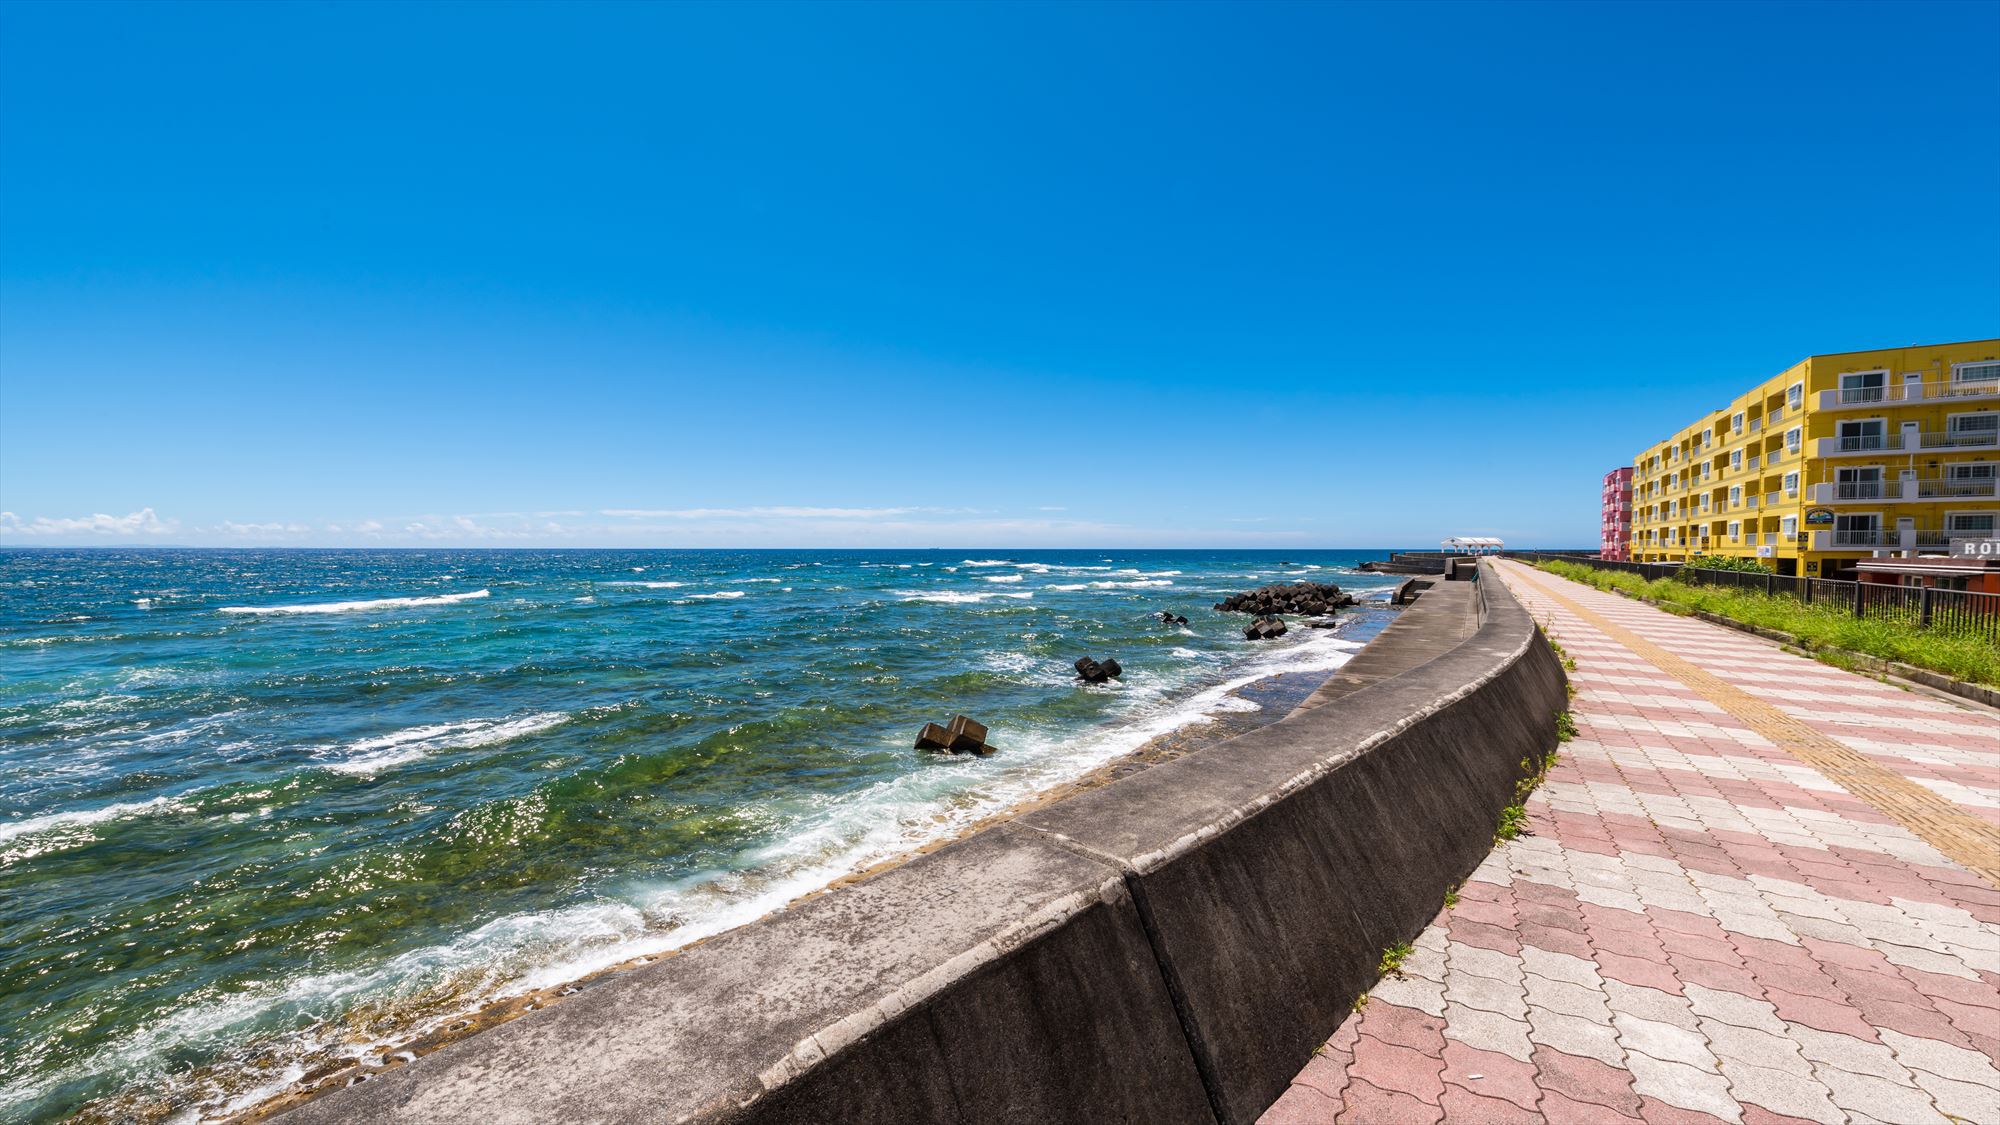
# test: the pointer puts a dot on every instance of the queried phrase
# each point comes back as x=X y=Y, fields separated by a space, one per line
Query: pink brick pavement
x=1700 y=927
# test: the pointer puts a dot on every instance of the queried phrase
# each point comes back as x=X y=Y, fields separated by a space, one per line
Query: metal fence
x=1920 y=607
x=1648 y=571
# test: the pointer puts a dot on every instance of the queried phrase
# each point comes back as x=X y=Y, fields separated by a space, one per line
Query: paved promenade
x=1758 y=889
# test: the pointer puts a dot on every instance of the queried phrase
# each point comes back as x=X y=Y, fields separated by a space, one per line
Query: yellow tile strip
x=1943 y=825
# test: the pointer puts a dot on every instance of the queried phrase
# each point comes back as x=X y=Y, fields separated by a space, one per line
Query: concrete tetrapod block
x=1272 y=870
x=987 y=982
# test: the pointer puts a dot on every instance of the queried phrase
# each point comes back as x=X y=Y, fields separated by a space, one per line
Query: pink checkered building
x=1614 y=540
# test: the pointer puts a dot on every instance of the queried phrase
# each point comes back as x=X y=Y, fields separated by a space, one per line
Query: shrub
x=1729 y=562
x=1820 y=626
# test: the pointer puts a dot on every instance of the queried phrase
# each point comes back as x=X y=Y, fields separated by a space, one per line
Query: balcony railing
x=1899 y=442
x=1961 y=439
x=1882 y=538
x=1914 y=488
x=1957 y=488
x=1928 y=390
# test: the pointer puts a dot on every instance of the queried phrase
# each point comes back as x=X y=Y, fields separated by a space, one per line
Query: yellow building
x=1840 y=458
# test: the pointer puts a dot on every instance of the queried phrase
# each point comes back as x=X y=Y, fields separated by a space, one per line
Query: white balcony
x=1897 y=392
x=1881 y=539
x=1904 y=491
x=1936 y=441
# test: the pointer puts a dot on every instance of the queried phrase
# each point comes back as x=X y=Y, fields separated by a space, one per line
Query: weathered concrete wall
x=1168 y=948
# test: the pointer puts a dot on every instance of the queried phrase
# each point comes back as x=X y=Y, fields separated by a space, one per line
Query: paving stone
x=1480 y=961
x=1662 y=1041
x=1426 y=996
x=1878 y=1098
x=1967 y=1101
x=1753 y=1047
x=1650 y=1003
x=1576 y=1035
x=1786 y=1092
x=1487 y=994
x=1681 y=1085
x=1555 y=965
x=1733 y=1008
x=1463 y=1105
x=1585 y=1080
x=1488 y=1031
x=1571 y=999
x=1364 y=1104
x=1397 y=1069
x=1499 y=1076
x=1401 y=1026
x=1942 y=1059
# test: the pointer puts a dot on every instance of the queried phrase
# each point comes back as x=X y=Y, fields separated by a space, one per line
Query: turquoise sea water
x=259 y=809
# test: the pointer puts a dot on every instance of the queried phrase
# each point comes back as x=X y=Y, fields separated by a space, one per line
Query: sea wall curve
x=1168 y=948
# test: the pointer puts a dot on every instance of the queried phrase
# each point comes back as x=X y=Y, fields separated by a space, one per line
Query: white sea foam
x=760 y=580
x=76 y=818
x=370 y=756
x=650 y=585
x=1134 y=584
x=956 y=597
x=989 y=562
x=717 y=594
x=353 y=607
x=1003 y=577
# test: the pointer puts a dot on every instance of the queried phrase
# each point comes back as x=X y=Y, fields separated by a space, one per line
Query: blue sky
x=914 y=275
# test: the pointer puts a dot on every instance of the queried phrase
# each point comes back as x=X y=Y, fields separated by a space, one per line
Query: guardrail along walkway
x=1758 y=889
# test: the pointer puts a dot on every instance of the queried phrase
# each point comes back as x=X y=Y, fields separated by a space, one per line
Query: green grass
x=1514 y=818
x=1565 y=726
x=1819 y=627
x=1394 y=956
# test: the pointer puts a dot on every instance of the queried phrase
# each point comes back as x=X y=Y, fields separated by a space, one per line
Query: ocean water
x=260 y=810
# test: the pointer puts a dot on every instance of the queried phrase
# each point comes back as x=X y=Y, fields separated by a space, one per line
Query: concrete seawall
x=1168 y=948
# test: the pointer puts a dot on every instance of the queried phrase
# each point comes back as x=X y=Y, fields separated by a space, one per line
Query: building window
x=1863 y=386
x=1858 y=484
x=1793 y=437
x=1985 y=371
x=1788 y=526
x=1735 y=495
x=1791 y=484
x=1736 y=423
x=1735 y=531
x=1866 y=433
x=1735 y=460
x=1976 y=525
x=1857 y=531
x=1972 y=429
x=1795 y=396
x=1977 y=470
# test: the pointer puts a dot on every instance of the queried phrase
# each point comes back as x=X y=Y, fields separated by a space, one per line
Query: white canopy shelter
x=1472 y=545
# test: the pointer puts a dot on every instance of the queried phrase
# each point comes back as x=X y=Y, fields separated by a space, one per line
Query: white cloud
x=781 y=513
x=142 y=522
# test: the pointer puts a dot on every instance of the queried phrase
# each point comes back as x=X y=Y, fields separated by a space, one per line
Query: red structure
x=1614 y=539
